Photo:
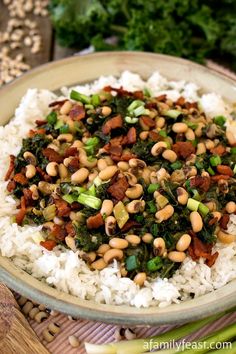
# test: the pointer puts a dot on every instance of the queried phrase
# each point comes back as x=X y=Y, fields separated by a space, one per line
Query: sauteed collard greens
x=121 y=175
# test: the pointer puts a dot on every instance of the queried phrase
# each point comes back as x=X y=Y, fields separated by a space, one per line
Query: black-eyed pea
x=65 y=138
x=179 y=128
x=201 y=149
x=182 y=196
x=123 y=166
x=107 y=207
x=165 y=213
x=30 y=158
x=198 y=130
x=143 y=135
x=140 y=278
x=160 y=122
x=230 y=137
x=106 y=111
x=158 y=148
x=135 y=206
x=183 y=243
x=74 y=342
x=161 y=174
x=134 y=240
x=62 y=170
x=230 y=207
x=47 y=335
x=70 y=242
x=147 y=238
x=211 y=205
x=191 y=172
x=190 y=135
x=84 y=159
x=92 y=176
x=30 y=171
x=27 y=307
x=135 y=191
x=131 y=178
x=110 y=225
x=123 y=271
x=209 y=144
x=205 y=174
x=52 y=169
x=118 y=243
x=196 y=221
x=137 y=163
x=169 y=155
x=101 y=164
x=146 y=175
x=99 y=264
x=217 y=214
x=112 y=254
x=90 y=256
x=176 y=256
x=34 y=189
x=103 y=249
x=108 y=172
x=225 y=237
x=108 y=160
x=67 y=161
x=77 y=143
x=160 y=245
x=66 y=107
x=80 y=176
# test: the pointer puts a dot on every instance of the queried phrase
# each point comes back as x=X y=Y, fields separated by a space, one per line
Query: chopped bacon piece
x=11 y=167
x=95 y=221
x=129 y=225
x=77 y=112
x=49 y=244
x=213 y=221
x=71 y=151
x=75 y=206
x=70 y=229
x=21 y=213
x=161 y=98
x=189 y=105
x=138 y=95
x=154 y=136
x=39 y=122
x=131 y=136
x=202 y=182
x=21 y=179
x=115 y=150
x=57 y=103
x=216 y=178
x=151 y=105
x=58 y=232
x=199 y=249
x=224 y=221
x=52 y=155
x=32 y=132
x=126 y=156
x=118 y=188
x=180 y=101
x=28 y=196
x=11 y=186
x=113 y=123
x=63 y=208
x=121 y=92
x=74 y=164
x=224 y=170
x=43 y=174
x=183 y=149
x=147 y=121
x=218 y=150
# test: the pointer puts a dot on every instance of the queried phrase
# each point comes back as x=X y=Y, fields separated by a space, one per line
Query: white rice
x=61 y=267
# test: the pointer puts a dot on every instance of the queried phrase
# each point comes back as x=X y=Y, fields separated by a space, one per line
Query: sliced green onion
x=49 y=212
x=176 y=165
x=51 y=118
x=154 y=229
x=140 y=111
x=172 y=113
x=220 y=120
x=190 y=124
x=215 y=160
x=74 y=95
x=196 y=195
x=193 y=204
x=64 y=129
x=151 y=207
x=147 y=92
x=154 y=264
x=199 y=165
x=153 y=187
x=211 y=171
x=188 y=186
x=135 y=104
x=203 y=209
x=92 y=141
x=131 y=263
x=131 y=120
x=233 y=150
x=89 y=107
x=234 y=170
x=95 y=100
x=91 y=190
x=163 y=133
x=59 y=124
x=69 y=198
x=79 y=190
x=97 y=181
x=90 y=201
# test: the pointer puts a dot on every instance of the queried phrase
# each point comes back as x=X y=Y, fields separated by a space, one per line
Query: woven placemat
x=96 y=332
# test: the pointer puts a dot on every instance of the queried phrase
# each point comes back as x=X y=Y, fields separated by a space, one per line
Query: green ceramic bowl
x=87 y=68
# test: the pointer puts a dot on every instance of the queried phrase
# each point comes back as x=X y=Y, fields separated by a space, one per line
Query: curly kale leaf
x=89 y=240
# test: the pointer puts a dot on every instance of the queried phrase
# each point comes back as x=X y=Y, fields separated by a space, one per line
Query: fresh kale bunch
x=193 y=29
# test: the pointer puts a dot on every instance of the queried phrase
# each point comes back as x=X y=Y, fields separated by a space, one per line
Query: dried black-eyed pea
x=30 y=158
x=165 y=213
x=158 y=148
x=160 y=245
x=41 y=316
x=27 y=307
x=102 y=249
x=134 y=240
x=66 y=107
x=22 y=300
x=80 y=176
x=74 y=342
x=108 y=172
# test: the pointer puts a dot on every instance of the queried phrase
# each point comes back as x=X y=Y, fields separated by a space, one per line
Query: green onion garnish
x=51 y=118
x=59 y=124
x=196 y=195
x=135 y=104
x=172 y=113
x=74 y=95
x=131 y=120
x=69 y=198
x=211 y=171
x=95 y=100
x=193 y=204
x=220 y=120
x=163 y=133
x=131 y=263
x=203 y=209
x=154 y=230
x=215 y=160
x=154 y=264
x=153 y=187
x=233 y=150
x=64 y=129
x=176 y=165
x=89 y=200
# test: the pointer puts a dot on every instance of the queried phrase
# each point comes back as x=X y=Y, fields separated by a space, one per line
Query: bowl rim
x=217 y=301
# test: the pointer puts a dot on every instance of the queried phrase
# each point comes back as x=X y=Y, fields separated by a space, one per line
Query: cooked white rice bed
x=61 y=267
